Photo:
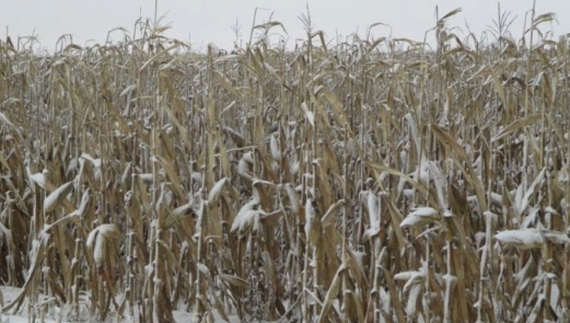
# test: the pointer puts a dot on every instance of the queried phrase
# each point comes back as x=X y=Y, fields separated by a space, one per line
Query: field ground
x=10 y=293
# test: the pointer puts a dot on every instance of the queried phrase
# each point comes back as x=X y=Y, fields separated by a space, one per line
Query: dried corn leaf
x=216 y=191
x=98 y=239
x=332 y=293
x=522 y=239
x=234 y=280
x=57 y=196
x=515 y=125
x=421 y=216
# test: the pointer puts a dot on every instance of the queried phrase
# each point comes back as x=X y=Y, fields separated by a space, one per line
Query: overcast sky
x=204 y=22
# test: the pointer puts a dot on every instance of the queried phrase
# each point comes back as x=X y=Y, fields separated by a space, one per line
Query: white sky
x=211 y=21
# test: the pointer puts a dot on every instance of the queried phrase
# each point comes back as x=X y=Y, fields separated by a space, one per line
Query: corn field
x=377 y=180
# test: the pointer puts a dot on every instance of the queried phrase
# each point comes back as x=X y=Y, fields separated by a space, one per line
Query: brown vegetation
x=355 y=183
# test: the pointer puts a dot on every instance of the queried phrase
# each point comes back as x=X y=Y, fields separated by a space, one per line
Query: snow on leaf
x=309 y=114
x=373 y=211
x=217 y=190
x=522 y=239
x=98 y=238
x=274 y=147
x=245 y=217
x=293 y=198
x=533 y=187
x=556 y=237
x=420 y=216
x=57 y=196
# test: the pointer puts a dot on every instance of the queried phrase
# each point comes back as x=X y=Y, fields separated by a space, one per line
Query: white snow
x=10 y=293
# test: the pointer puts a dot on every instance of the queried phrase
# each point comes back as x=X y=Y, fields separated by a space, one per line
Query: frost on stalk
x=309 y=215
x=293 y=199
x=373 y=210
x=200 y=215
x=373 y=215
x=312 y=222
x=413 y=298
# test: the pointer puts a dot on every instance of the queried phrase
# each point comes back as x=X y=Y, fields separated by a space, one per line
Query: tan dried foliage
x=363 y=182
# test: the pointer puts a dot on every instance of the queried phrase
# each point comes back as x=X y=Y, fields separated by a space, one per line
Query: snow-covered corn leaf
x=55 y=198
x=420 y=216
